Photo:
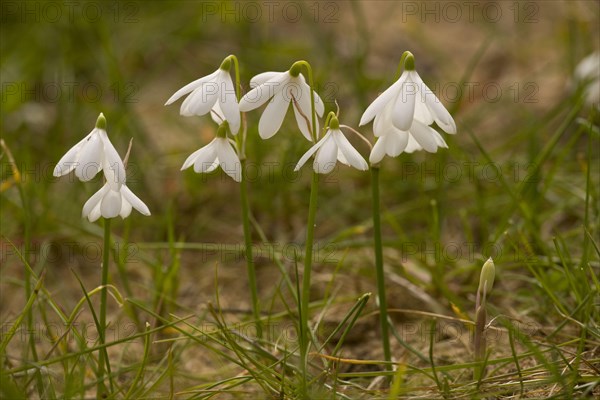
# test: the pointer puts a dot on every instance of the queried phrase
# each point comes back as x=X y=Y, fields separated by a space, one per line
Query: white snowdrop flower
x=91 y=155
x=587 y=73
x=218 y=152
x=403 y=115
x=411 y=99
x=110 y=203
x=331 y=148
x=209 y=92
x=282 y=88
x=393 y=141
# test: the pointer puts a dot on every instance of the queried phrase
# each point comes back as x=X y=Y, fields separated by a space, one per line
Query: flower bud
x=486 y=279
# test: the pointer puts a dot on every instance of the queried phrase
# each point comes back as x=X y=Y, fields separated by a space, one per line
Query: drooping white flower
x=218 y=152
x=393 y=141
x=587 y=73
x=403 y=115
x=410 y=99
x=109 y=203
x=209 y=92
x=282 y=89
x=331 y=148
x=91 y=155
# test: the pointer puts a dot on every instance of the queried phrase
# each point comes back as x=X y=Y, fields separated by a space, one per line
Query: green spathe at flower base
x=226 y=64
x=409 y=61
x=101 y=122
x=334 y=123
x=222 y=130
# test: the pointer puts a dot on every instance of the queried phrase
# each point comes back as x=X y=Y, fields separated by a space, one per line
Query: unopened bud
x=486 y=280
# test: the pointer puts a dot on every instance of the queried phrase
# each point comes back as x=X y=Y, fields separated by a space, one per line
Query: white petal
x=311 y=151
x=263 y=77
x=192 y=158
x=94 y=201
x=383 y=121
x=396 y=142
x=424 y=135
x=114 y=170
x=303 y=101
x=89 y=162
x=228 y=102
x=378 y=151
x=228 y=159
x=272 y=117
x=351 y=155
x=217 y=114
x=412 y=145
x=379 y=103
x=403 y=112
x=201 y=100
x=439 y=140
x=95 y=213
x=190 y=87
x=68 y=162
x=319 y=105
x=326 y=156
x=440 y=115
x=263 y=92
x=422 y=112
x=110 y=205
x=213 y=166
x=125 y=207
x=133 y=200
x=204 y=158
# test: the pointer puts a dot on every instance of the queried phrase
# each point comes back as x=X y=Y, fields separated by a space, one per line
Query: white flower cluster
x=403 y=117
x=91 y=155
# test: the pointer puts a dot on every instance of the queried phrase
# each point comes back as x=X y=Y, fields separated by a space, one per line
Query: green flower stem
x=249 y=255
x=103 y=357
x=383 y=316
x=310 y=229
x=241 y=145
x=305 y=299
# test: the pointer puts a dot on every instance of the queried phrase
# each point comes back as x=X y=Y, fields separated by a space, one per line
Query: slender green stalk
x=249 y=255
x=240 y=140
x=310 y=229
x=305 y=298
x=382 y=300
x=101 y=391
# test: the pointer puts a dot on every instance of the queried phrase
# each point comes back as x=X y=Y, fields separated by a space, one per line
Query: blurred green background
x=502 y=68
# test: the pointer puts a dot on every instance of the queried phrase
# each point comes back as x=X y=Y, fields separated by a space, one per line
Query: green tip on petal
x=295 y=69
x=409 y=62
x=334 y=123
x=226 y=64
x=223 y=128
x=101 y=122
x=486 y=280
